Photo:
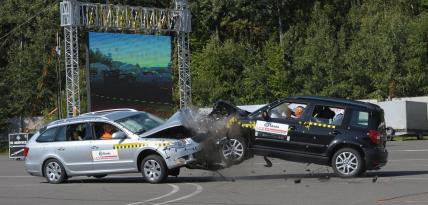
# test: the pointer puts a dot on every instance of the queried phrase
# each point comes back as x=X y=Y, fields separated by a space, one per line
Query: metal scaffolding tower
x=75 y=15
x=183 y=55
x=72 y=70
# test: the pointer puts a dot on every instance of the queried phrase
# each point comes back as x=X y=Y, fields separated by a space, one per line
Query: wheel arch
x=49 y=158
x=144 y=153
x=346 y=145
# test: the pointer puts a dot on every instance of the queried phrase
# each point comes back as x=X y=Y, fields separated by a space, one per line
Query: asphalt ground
x=404 y=180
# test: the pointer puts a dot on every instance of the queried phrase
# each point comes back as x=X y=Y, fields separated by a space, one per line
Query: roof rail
x=109 y=110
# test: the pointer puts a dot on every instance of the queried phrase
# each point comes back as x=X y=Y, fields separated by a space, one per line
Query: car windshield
x=141 y=122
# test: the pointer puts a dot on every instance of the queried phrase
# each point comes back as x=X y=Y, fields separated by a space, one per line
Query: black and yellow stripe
x=318 y=124
x=128 y=145
x=138 y=145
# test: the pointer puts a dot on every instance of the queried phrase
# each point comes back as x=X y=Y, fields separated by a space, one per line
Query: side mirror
x=265 y=115
x=118 y=135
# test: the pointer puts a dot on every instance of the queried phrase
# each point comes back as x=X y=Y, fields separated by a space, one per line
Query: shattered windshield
x=140 y=123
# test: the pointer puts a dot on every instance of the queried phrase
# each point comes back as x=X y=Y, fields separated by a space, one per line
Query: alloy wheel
x=152 y=170
x=53 y=171
x=346 y=163
x=233 y=150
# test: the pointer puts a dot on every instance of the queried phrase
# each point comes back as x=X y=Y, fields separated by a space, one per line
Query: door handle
x=61 y=149
x=335 y=132
x=94 y=147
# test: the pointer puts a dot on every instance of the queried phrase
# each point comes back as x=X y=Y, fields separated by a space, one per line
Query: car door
x=324 y=126
x=279 y=130
x=105 y=157
x=75 y=154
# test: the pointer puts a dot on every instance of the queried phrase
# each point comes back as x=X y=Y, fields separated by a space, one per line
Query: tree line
x=243 y=51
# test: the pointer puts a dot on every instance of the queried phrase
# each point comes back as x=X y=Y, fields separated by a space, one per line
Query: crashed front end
x=182 y=141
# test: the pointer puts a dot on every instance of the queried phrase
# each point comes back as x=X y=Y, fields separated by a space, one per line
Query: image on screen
x=130 y=71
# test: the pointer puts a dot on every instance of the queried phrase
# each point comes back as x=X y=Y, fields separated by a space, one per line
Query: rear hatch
x=377 y=127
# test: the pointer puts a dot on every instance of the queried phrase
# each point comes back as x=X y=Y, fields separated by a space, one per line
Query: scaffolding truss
x=75 y=15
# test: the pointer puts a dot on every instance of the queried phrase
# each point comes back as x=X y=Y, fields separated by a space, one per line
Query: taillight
x=374 y=136
x=26 y=150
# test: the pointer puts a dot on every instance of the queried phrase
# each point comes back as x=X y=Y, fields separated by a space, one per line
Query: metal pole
x=72 y=70
x=183 y=54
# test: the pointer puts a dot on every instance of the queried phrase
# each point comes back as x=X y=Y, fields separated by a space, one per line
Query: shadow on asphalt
x=202 y=179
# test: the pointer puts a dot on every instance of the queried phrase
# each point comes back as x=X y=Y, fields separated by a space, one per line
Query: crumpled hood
x=175 y=120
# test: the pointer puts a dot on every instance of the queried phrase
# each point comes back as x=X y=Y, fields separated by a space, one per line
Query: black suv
x=345 y=134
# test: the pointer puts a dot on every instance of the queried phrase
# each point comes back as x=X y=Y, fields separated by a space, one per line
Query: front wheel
x=54 y=172
x=347 y=162
x=154 y=169
x=234 y=150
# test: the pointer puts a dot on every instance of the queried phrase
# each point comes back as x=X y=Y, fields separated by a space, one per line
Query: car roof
x=102 y=115
x=333 y=100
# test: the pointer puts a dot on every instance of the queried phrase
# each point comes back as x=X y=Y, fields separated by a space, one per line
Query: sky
x=145 y=50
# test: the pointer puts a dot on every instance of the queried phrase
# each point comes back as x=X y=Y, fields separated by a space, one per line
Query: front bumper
x=178 y=157
x=375 y=158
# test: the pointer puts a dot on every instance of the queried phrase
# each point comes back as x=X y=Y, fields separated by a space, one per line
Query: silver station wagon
x=109 y=142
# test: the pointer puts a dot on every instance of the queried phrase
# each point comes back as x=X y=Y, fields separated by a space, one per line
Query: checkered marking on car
x=251 y=125
x=319 y=125
x=138 y=145
x=234 y=120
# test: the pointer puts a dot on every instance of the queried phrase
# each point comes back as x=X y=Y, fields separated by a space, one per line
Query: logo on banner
x=271 y=127
x=104 y=155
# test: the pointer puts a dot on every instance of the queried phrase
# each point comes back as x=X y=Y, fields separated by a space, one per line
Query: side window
x=48 y=135
x=287 y=110
x=360 y=119
x=328 y=114
x=60 y=135
x=77 y=132
x=104 y=131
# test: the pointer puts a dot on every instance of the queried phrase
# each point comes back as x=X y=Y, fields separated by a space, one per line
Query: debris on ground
x=374 y=179
x=268 y=162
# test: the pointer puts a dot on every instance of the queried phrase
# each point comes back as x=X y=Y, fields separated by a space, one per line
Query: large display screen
x=130 y=71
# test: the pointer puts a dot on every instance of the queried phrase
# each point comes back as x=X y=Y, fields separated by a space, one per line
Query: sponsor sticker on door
x=271 y=127
x=104 y=155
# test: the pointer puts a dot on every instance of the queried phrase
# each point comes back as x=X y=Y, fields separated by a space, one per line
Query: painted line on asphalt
x=197 y=191
x=409 y=150
x=174 y=190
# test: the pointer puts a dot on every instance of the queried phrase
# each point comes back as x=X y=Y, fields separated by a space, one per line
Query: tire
x=54 y=172
x=234 y=150
x=154 y=169
x=100 y=176
x=347 y=163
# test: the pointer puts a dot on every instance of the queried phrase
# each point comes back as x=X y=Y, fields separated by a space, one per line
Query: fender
x=332 y=147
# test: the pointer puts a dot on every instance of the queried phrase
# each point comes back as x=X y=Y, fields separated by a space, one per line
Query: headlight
x=181 y=143
x=178 y=144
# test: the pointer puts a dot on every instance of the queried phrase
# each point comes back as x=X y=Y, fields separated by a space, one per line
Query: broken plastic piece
x=268 y=162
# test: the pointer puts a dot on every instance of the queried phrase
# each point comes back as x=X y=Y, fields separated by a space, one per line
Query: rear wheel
x=347 y=162
x=154 y=169
x=54 y=172
x=234 y=150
